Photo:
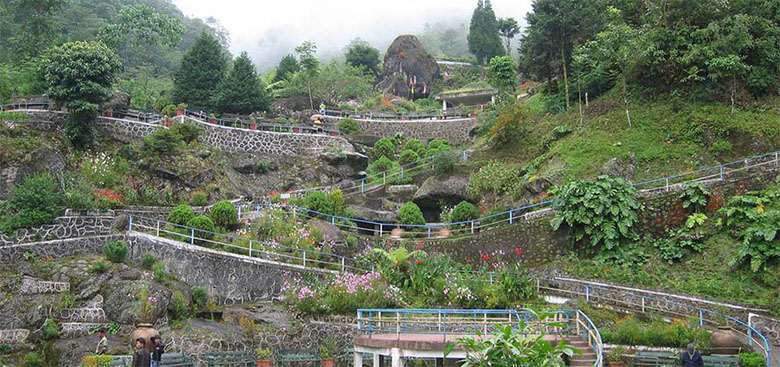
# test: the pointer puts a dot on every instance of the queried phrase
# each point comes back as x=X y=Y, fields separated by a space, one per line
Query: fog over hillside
x=269 y=30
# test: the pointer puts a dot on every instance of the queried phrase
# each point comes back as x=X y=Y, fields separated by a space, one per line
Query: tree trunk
x=311 y=100
x=579 y=100
x=733 y=93
x=565 y=77
x=625 y=101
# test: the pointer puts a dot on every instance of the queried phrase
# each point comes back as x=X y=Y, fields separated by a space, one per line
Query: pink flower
x=305 y=292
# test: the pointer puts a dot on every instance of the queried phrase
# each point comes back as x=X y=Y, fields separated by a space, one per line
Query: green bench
x=716 y=360
x=168 y=360
x=229 y=359
x=288 y=357
x=656 y=359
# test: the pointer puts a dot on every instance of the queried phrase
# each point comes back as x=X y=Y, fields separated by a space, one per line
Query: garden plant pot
x=328 y=362
x=179 y=112
x=146 y=331
x=253 y=126
x=725 y=341
x=264 y=363
x=397 y=233
x=444 y=233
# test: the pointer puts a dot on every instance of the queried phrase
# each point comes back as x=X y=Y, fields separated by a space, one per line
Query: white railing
x=586 y=327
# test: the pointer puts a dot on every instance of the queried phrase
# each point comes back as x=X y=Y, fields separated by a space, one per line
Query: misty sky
x=269 y=29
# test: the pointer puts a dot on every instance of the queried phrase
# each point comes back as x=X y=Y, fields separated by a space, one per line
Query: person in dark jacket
x=692 y=357
x=157 y=351
x=141 y=355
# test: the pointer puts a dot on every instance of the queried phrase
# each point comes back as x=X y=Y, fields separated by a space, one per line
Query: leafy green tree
x=502 y=73
x=508 y=28
x=410 y=213
x=361 y=55
x=224 y=214
x=483 y=38
x=37 y=200
x=464 y=211
x=202 y=70
x=310 y=66
x=241 y=91
x=287 y=66
x=32 y=25
x=139 y=26
x=80 y=75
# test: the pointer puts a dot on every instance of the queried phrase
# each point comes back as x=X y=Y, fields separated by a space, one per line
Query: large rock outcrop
x=409 y=71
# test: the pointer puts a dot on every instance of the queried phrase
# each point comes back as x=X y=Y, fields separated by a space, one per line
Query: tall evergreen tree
x=241 y=91
x=361 y=55
x=287 y=66
x=202 y=69
x=484 y=40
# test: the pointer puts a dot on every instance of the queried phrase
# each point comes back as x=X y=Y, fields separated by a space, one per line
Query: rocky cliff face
x=409 y=71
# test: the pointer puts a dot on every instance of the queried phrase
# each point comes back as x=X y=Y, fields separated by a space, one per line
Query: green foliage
x=408 y=156
x=199 y=297
x=37 y=200
x=751 y=359
x=509 y=127
x=695 y=197
x=241 y=91
x=162 y=142
x=508 y=28
x=79 y=195
x=509 y=347
x=410 y=213
x=181 y=214
x=80 y=75
x=331 y=203
x=139 y=26
x=33 y=359
x=288 y=65
x=754 y=219
x=348 y=126
x=179 y=307
x=201 y=71
x=603 y=212
x=99 y=267
x=688 y=238
x=362 y=55
x=502 y=73
x=416 y=146
x=224 y=214
x=115 y=251
x=188 y=131
x=483 y=38
x=159 y=272
x=464 y=211
x=50 y=329
x=204 y=226
x=630 y=331
x=199 y=198
x=148 y=261
x=498 y=179
x=331 y=84
x=383 y=147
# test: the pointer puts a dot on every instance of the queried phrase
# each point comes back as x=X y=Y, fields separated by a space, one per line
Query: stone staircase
x=75 y=322
x=586 y=358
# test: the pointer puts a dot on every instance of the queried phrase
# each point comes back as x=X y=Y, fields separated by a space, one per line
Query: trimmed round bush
x=415 y=145
x=437 y=146
x=181 y=214
x=199 y=198
x=410 y=213
x=408 y=156
x=204 y=226
x=348 y=126
x=381 y=164
x=383 y=147
x=464 y=211
x=115 y=251
x=224 y=214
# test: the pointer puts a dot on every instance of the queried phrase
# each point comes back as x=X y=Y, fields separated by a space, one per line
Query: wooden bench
x=229 y=359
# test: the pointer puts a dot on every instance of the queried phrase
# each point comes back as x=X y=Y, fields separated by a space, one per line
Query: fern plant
x=695 y=196
x=602 y=213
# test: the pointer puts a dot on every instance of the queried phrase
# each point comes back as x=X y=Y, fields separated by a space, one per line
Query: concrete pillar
x=439 y=362
x=377 y=360
x=396 y=356
x=443 y=105
x=358 y=357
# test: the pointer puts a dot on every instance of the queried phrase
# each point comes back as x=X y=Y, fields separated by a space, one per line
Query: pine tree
x=288 y=65
x=241 y=91
x=202 y=69
x=484 y=40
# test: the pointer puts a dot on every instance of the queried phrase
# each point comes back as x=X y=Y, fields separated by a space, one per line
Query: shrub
x=96 y=361
x=178 y=308
x=408 y=156
x=383 y=147
x=224 y=214
x=159 y=272
x=169 y=110
x=444 y=162
x=754 y=218
x=437 y=146
x=33 y=359
x=99 y=267
x=79 y=195
x=603 y=212
x=331 y=203
x=37 y=200
x=148 y=260
x=162 y=141
x=348 y=126
x=410 y=213
x=508 y=127
x=695 y=197
x=199 y=198
x=199 y=297
x=496 y=178
x=416 y=146
x=50 y=329
x=115 y=251
x=189 y=132
x=464 y=211
x=204 y=226
x=382 y=164
x=181 y=214
x=751 y=359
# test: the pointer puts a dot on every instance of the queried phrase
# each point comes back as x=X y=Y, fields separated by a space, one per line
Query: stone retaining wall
x=225 y=138
x=63 y=227
x=456 y=131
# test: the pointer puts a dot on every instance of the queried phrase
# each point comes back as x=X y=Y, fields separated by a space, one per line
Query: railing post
x=721 y=172
x=750 y=328
x=510 y=216
x=362 y=184
x=643 y=304
x=701 y=318
x=304 y=259
x=380 y=229
x=577 y=322
x=384 y=178
x=472 y=227
x=587 y=293
x=484 y=321
x=130 y=224
x=250 y=248
x=158 y=228
x=239 y=212
x=667 y=184
x=343 y=265
x=397 y=324
x=192 y=236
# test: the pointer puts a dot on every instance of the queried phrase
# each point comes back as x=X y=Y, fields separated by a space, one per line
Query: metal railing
x=470 y=227
x=706 y=312
x=588 y=330
x=378 y=116
x=230 y=243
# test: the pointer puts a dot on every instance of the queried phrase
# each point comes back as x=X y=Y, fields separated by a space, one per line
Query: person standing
x=141 y=355
x=692 y=357
x=157 y=351
x=102 y=345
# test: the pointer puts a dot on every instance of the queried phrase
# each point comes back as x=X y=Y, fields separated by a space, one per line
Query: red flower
x=485 y=257
x=418 y=262
x=420 y=245
x=110 y=195
x=518 y=251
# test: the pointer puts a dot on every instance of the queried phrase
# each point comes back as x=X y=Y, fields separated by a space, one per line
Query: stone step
x=82 y=315
x=77 y=329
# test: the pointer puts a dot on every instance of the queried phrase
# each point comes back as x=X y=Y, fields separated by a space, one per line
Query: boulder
x=449 y=190
x=620 y=167
x=121 y=304
x=119 y=101
x=43 y=159
x=260 y=314
x=330 y=233
x=409 y=71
